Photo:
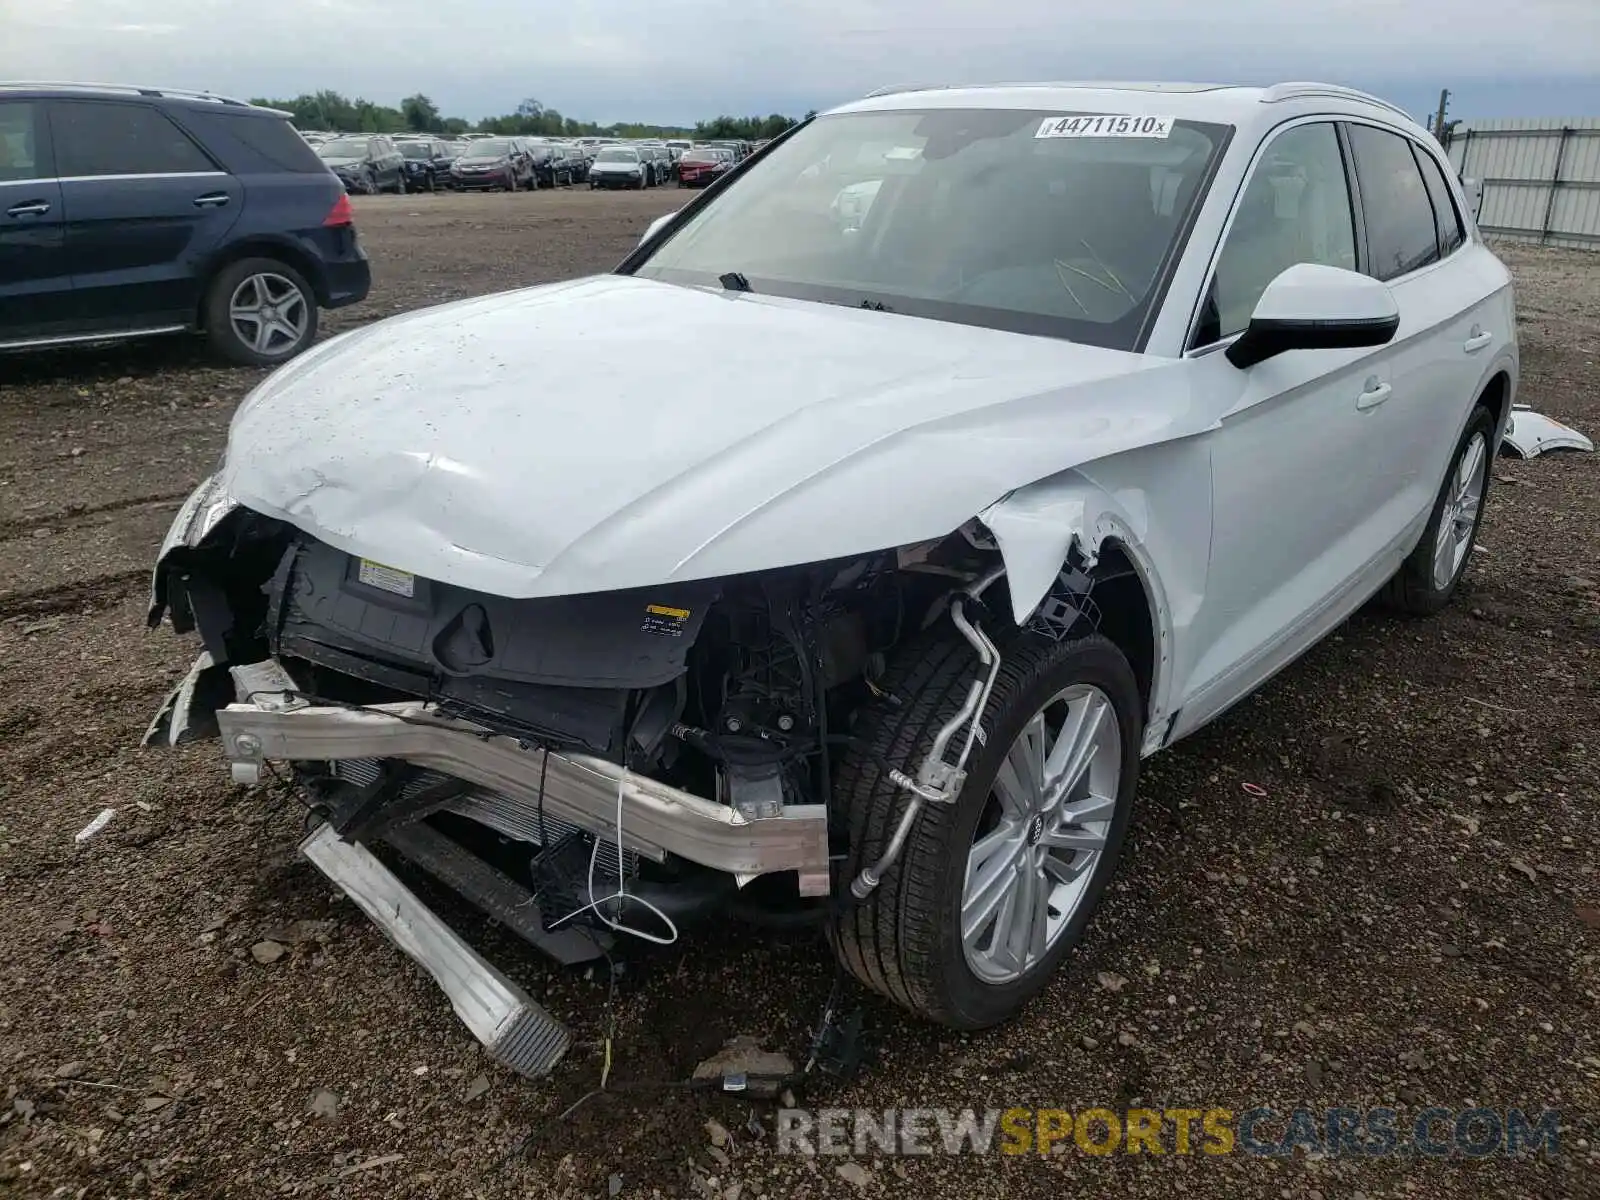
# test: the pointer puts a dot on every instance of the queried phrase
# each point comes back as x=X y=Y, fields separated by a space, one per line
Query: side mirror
x=657 y=226
x=1313 y=307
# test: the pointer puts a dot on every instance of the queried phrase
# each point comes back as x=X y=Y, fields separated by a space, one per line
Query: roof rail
x=126 y=89
x=896 y=88
x=1297 y=91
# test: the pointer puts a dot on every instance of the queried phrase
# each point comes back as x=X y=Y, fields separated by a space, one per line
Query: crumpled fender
x=1116 y=500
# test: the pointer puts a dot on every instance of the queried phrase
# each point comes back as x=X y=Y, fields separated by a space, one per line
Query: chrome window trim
x=143 y=175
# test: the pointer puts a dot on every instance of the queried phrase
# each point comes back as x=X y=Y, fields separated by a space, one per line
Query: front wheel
x=992 y=891
x=1430 y=574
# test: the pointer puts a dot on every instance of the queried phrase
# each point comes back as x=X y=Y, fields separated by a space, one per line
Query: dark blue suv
x=134 y=211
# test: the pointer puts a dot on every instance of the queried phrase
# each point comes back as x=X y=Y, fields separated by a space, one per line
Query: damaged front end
x=582 y=768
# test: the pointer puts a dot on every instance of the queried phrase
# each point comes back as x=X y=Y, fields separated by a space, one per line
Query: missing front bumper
x=657 y=819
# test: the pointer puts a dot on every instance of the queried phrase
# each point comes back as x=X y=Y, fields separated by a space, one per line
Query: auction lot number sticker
x=1105 y=126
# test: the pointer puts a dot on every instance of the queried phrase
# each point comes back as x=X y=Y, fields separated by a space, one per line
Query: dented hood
x=615 y=432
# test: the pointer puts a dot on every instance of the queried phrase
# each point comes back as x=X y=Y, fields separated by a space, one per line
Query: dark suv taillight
x=341 y=213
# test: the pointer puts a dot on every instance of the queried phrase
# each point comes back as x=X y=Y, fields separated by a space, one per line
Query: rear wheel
x=992 y=891
x=259 y=312
x=1430 y=574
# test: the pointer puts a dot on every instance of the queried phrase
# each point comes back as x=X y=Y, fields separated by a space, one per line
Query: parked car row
x=400 y=163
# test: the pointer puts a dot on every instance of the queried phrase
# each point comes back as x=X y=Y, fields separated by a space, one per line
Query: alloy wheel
x=1044 y=829
x=1459 y=518
x=269 y=313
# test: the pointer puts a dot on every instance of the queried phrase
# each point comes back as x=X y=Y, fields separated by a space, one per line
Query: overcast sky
x=673 y=61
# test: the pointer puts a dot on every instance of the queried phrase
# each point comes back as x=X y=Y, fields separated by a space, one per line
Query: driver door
x=1305 y=499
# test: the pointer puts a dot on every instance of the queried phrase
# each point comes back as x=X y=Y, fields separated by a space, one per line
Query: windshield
x=344 y=148
x=416 y=149
x=614 y=154
x=988 y=217
x=489 y=148
x=706 y=156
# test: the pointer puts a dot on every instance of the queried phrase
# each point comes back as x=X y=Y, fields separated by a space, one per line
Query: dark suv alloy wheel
x=259 y=312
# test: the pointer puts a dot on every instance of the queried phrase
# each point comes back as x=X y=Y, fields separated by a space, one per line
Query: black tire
x=1414 y=589
x=217 y=322
x=401 y=187
x=904 y=940
x=369 y=184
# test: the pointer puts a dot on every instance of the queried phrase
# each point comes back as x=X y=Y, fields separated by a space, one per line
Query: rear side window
x=21 y=155
x=1400 y=231
x=94 y=138
x=249 y=143
x=1445 y=215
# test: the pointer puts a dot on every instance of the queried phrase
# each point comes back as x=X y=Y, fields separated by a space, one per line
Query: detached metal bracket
x=512 y=1026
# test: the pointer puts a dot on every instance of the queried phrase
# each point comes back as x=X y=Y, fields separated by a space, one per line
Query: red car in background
x=699 y=167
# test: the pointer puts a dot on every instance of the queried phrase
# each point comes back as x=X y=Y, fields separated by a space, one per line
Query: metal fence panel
x=1540 y=177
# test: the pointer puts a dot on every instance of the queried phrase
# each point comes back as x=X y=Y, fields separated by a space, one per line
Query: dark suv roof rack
x=126 y=89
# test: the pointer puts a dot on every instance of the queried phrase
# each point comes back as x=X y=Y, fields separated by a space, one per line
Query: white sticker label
x=389 y=579
x=1105 y=126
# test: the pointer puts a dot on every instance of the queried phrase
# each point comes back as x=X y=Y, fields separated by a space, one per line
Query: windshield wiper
x=734 y=282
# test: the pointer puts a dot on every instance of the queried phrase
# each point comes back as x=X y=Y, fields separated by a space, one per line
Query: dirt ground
x=1409 y=915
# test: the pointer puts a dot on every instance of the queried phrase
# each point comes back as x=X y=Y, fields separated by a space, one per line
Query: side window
x=98 y=138
x=21 y=156
x=1295 y=209
x=1445 y=215
x=1400 y=232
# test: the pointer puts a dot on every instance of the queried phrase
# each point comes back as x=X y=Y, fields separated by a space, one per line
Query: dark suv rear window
x=272 y=142
x=94 y=138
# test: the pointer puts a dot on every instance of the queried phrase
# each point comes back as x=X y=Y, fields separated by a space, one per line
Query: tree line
x=418 y=114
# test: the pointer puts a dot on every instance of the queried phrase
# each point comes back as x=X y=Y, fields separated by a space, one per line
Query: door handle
x=28 y=208
x=1375 y=394
x=211 y=200
x=1477 y=341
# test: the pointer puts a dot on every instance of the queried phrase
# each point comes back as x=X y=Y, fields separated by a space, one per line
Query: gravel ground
x=1407 y=916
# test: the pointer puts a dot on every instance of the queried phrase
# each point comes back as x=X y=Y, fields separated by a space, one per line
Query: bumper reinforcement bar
x=657 y=819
